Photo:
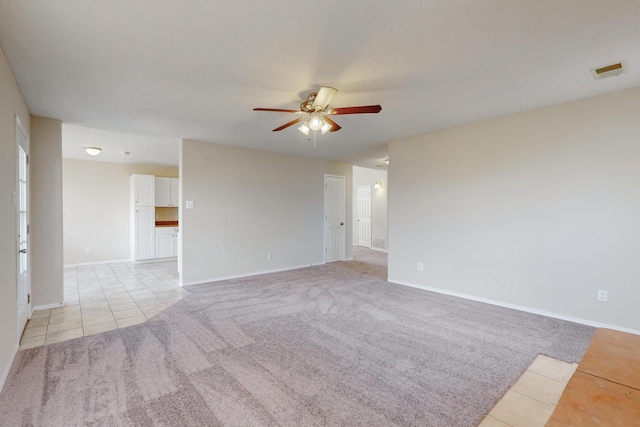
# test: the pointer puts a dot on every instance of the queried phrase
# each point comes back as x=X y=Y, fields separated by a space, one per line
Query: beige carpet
x=333 y=345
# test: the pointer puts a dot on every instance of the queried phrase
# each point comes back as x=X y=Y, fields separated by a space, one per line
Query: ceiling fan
x=315 y=111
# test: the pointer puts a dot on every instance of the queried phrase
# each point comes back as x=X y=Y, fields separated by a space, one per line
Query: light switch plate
x=190 y=204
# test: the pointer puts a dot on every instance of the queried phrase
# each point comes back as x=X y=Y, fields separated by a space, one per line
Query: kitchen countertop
x=166 y=223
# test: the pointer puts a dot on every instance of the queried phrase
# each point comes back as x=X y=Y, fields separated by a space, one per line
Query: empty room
x=320 y=213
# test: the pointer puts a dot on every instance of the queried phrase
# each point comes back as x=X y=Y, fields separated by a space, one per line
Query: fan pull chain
x=314 y=139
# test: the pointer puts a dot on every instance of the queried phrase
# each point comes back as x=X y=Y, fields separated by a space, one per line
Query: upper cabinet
x=166 y=190
x=143 y=190
x=175 y=188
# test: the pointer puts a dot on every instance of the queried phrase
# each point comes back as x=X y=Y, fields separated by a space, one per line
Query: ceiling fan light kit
x=315 y=113
x=315 y=121
x=326 y=127
x=304 y=129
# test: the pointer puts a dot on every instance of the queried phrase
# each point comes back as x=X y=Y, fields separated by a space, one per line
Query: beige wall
x=365 y=176
x=96 y=208
x=539 y=209
x=11 y=104
x=249 y=203
x=45 y=165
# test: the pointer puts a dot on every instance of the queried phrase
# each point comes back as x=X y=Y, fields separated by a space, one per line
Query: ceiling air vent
x=609 y=70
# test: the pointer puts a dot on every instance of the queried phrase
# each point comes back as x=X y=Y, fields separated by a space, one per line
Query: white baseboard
x=7 y=369
x=152 y=260
x=240 y=276
x=114 y=261
x=518 y=307
x=48 y=306
x=372 y=248
x=379 y=250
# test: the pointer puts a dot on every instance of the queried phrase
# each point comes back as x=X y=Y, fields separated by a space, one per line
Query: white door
x=145 y=232
x=364 y=216
x=334 y=218
x=145 y=190
x=22 y=211
x=163 y=191
x=175 y=192
x=174 y=242
x=164 y=245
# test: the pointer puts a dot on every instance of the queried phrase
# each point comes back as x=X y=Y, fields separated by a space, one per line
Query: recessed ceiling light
x=93 y=151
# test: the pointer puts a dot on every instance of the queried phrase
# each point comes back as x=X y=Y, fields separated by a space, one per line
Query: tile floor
x=103 y=297
x=532 y=399
x=605 y=389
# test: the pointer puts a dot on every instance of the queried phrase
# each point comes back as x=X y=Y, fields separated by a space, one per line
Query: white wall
x=248 y=203
x=539 y=209
x=45 y=166
x=96 y=208
x=11 y=104
x=365 y=176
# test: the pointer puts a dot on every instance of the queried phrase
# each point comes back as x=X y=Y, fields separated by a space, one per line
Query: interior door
x=364 y=216
x=22 y=211
x=334 y=218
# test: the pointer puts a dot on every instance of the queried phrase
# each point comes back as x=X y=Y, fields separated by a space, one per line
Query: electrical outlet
x=420 y=266
x=268 y=255
x=603 y=296
x=86 y=250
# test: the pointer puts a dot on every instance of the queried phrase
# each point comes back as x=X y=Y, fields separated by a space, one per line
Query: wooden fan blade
x=334 y=125
x=355 y=110
x=324 y=97
x=277 y=110
x=291 y=123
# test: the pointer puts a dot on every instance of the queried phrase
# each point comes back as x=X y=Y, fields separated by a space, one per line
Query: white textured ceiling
x=171 y=69
x=118 y=147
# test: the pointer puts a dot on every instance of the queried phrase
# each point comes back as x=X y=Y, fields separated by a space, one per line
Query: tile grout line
x=552 y=405
x=548 y=377
x=532 y=398
x=91 y=280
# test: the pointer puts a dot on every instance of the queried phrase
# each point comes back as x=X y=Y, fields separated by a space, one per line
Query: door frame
x=21 y=322
x=369 y=187
x=343 y=215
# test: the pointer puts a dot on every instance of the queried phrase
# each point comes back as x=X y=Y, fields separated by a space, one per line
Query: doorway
x=22 y=236
x=364 y=215
x=370 y=207
x=334 y=217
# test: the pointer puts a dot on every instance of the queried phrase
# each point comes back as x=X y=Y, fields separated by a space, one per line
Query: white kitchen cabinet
x=166 y=242
x=175 y=191
x=143 y=217
x=143 y=190
x=166 y=192
x=143 y=245
x=163 y=191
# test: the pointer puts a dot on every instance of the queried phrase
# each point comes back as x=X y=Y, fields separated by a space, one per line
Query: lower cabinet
x=142 y=233
x=166 y=242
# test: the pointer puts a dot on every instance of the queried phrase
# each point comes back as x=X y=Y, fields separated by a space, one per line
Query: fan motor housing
x=307 y=104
